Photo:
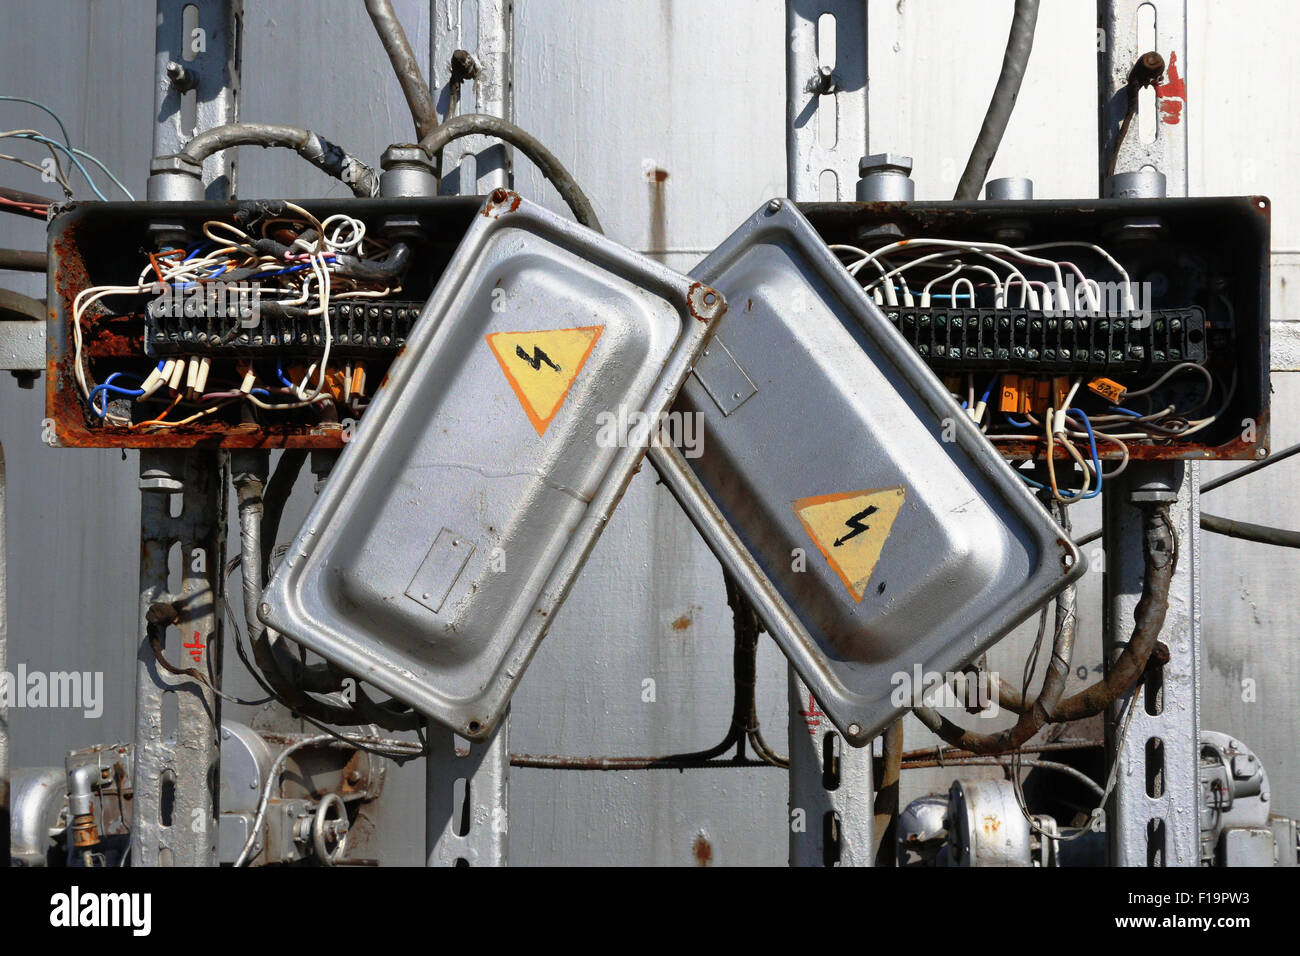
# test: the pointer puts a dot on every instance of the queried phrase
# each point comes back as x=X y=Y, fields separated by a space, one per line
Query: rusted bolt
x=180 y=77
x=1147 y=70
x=464 y=66
x=161 y=613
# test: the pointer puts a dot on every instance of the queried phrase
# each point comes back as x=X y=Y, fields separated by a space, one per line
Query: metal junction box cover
x=474 y=487
x=865 y=516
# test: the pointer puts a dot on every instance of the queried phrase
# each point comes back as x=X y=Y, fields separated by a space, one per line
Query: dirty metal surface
x=102 y=244
x=177 y=747
x=458 y=516
x=862 y=512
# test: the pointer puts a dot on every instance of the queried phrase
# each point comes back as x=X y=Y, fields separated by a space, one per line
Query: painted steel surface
x=481 y=476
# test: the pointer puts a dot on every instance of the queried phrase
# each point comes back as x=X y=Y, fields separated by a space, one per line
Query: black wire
x=257 y=676
x=1262 y=534
x=1020 y=41
x=1250 y=469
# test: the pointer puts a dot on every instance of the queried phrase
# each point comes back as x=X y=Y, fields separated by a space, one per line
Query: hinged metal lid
x=477 y=482
x=862 y=512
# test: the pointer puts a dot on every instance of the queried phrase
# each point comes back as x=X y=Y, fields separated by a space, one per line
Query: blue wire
x=1096 y=462
x=989 y=391
x=1125 y=411
x=1015 y=424
x=960 y=295
x=108 y=386
x=41 y=106
x=280 y=372
x=1092 y=446
x=268 y=275
x=70 y=154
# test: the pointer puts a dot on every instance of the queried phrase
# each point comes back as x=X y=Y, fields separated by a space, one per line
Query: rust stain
x=121 y=336
x=699 y=290
x=500 y=197
x=682 y=623
x=702 y=850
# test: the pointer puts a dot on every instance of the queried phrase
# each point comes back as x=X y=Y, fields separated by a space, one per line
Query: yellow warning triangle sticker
x=541 y=366
x=850 y=529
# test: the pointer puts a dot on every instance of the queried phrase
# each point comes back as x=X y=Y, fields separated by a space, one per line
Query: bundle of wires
x=295 y=261
x=968 y=274
x=55 y=171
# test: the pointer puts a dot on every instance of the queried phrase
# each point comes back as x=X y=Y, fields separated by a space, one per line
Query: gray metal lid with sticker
x=864 y=515
x=476 y=483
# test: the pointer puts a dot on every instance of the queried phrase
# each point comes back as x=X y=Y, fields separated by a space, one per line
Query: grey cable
x=313 y=147
x=480 y=124
x=1263 y=534
x=418 y=95
x=1030 y=762
x=1253 y=467
x=1020 y=42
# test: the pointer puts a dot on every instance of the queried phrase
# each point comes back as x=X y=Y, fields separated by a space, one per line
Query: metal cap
x=175 y=178
x=1140 y=184
x=1009 y=188
x=885 y=178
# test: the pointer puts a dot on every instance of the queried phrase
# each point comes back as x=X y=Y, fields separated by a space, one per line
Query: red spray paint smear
x=1171 y=96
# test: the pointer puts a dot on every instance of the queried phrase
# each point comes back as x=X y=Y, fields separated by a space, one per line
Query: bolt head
x=400 y=154
x=885 y=162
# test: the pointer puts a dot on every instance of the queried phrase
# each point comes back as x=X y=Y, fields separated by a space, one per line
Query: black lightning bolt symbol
x=855 y=524
x=536 y=359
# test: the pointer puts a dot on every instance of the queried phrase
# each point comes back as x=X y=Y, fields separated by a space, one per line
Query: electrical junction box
x=471 y=493
x=233 y=321
x=1165 y=300
x=858 y=507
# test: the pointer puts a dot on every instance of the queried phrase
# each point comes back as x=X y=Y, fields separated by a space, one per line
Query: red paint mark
x=812 y=716
x=1171 y=96
x=196 y=649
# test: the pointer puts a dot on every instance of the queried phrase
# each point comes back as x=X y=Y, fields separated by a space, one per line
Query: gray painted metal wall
x=619 y=88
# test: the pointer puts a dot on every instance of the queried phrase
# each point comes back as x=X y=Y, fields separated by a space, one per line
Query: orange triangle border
x=539 y=423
